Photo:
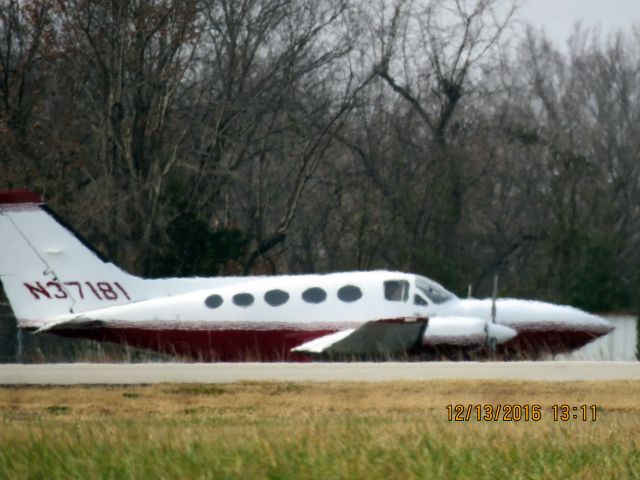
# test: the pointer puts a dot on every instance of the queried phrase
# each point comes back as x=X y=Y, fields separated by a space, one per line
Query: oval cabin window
x=349 y=293
x=314 y=295
x=243 y=299
x=275 y=298
x=213 y=301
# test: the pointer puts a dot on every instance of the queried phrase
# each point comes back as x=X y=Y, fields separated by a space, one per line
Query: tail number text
x=108 y=291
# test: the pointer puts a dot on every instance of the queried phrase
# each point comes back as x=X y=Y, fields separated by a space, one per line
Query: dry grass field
x=315 y=430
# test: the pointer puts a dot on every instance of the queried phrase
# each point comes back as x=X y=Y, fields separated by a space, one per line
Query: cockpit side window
x=418 y=300
x=396 y=290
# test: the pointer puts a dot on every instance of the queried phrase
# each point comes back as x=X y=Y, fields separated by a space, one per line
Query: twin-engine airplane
x=56 y=282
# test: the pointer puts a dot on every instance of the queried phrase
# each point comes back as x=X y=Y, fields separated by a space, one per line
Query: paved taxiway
x=85 y=373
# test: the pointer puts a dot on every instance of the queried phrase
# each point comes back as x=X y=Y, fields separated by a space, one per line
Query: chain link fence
x=17 y=346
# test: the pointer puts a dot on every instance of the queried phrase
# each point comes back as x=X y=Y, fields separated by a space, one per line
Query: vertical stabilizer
x=48 y=270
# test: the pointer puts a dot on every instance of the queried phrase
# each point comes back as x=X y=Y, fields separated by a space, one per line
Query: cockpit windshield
x=435 y=292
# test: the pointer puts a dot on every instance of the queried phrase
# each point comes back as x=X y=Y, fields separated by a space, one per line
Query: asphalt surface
x=118 y=374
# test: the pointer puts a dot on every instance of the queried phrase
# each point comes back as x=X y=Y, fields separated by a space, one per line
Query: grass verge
x=304 y=430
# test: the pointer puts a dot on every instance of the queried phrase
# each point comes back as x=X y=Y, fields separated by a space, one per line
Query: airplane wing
x=378 y=338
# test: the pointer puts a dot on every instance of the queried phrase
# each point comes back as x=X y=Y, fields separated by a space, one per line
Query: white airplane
x=56 y=282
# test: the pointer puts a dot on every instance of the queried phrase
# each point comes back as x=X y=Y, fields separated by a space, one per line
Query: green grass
x=404 y=447
x=266 y=431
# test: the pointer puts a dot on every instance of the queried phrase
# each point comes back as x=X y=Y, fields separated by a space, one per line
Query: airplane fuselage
x=265 y=318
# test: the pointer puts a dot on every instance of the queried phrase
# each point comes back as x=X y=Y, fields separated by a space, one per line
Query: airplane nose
x=598 y=325
x=551 y=316
x=555 y=328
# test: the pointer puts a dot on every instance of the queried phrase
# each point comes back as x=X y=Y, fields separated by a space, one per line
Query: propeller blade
x=494 y=296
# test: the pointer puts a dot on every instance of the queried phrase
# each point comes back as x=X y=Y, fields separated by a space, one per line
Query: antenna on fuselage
x=492 y=340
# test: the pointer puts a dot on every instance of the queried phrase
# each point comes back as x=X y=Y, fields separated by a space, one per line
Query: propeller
x=491 y=339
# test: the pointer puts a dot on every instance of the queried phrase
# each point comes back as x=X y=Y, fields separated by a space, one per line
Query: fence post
x=19 y=346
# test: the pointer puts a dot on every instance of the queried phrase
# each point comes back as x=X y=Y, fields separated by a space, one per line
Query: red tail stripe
x=18 y=196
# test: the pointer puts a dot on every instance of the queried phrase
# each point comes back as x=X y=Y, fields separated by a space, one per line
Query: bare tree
x=24 y=29
x=125 y=62
x=272 y=106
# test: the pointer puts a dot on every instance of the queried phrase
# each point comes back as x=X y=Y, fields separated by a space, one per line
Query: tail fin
x=48 y=270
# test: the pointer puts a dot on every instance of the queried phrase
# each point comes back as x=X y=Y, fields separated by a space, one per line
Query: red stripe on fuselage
x=535 y=342
x=268 y=345
x=208 y=345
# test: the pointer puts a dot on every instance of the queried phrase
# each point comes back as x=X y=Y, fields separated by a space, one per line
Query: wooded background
x=273 y=136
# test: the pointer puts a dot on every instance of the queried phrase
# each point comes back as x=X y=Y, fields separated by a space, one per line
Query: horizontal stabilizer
x=378 y=338
x=76 y=322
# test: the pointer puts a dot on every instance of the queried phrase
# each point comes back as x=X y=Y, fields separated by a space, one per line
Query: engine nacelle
x=464 y=332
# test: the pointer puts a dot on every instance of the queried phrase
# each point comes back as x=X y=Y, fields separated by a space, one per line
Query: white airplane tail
x=47 y=270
